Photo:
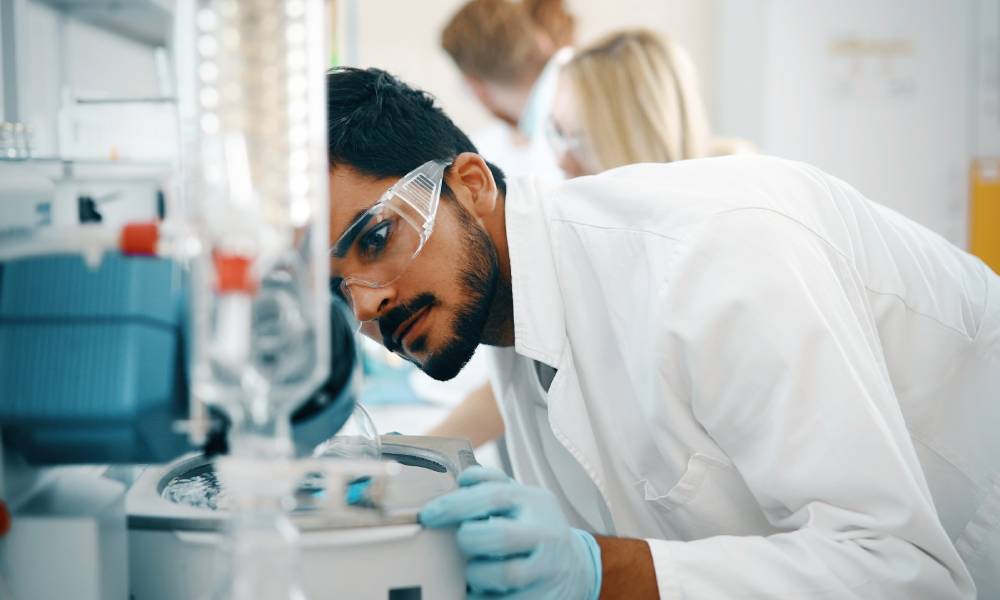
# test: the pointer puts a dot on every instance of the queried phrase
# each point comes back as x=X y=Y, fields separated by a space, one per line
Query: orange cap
x=5 y=519
x=232 y=273
x=139 y=239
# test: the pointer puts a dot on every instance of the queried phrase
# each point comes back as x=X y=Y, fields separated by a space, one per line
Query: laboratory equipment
x=16 y=141
x=365 y=554
x=209 y=334
x=118 y=129
x=92 y=365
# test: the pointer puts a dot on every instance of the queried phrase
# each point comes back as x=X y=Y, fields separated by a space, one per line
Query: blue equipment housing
x=93 y=363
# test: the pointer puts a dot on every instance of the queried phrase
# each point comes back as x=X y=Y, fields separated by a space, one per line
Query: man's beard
x=480 y=278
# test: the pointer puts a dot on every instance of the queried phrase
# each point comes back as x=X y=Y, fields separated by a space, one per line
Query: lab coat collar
x=540 y=322
x=539 y=325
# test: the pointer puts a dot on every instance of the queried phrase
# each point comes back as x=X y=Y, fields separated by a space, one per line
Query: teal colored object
x=387 y=385
x=93 y=364
x=92 y=361
x=357 y=494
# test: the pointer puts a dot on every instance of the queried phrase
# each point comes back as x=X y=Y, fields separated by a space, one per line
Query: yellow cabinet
x=984 y=233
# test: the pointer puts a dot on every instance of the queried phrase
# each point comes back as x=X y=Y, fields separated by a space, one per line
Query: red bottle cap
x=5 y=519
x=139 y=239
x=233 y=275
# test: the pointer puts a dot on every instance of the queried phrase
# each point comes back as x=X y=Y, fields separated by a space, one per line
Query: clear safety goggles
x=380 y=244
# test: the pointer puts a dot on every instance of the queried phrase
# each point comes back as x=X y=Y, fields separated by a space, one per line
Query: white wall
x=877 y=93
x=38 y=72
x=92 y=62
x=404 y=39
x=103 y=64
x=1 y=69
x=986 y=128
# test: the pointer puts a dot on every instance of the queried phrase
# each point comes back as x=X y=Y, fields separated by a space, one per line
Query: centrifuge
x=374 y=550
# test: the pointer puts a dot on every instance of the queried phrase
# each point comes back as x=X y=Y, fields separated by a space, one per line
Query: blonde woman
x=631 y=97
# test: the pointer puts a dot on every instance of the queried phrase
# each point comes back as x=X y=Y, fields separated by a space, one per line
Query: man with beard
x=719 y=378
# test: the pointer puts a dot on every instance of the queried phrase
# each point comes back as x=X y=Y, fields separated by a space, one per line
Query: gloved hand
x=516 y=539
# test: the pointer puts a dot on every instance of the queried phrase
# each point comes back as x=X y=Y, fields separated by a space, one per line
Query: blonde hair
x=639 y=100
x=497 y=40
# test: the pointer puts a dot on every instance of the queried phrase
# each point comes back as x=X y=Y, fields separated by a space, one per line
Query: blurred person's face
x=567 y=133
x=505 y=102
x=437 y=311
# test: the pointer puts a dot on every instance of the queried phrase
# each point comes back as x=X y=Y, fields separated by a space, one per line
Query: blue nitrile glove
x=516 y=539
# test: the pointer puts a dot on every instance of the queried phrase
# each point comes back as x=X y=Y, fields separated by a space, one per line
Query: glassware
x=261 y=548
x=251 y=95
x=358 y=439
x=7 y=149
x=20 y=141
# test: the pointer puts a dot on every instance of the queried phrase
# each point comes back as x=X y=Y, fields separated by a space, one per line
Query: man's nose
x=369 y=303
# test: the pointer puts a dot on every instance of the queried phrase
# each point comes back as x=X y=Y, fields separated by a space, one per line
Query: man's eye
x=373 y=242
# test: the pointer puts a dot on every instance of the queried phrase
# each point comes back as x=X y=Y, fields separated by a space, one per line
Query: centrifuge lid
x=430 y=467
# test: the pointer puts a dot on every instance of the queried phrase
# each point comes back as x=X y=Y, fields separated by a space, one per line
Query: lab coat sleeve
x=767 y=330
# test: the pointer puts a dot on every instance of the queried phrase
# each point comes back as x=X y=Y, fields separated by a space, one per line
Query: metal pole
x=8 y=53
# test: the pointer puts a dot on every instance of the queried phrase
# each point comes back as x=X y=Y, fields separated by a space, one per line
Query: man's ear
x=472 y=181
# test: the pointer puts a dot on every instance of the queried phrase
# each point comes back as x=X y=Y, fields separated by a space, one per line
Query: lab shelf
x=87 y=169
x=145 y=21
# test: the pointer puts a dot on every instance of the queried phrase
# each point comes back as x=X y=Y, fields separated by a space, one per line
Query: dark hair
x=381 y=127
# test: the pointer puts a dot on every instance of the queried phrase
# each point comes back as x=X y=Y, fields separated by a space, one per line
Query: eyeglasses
x=562 y=143
x=379 y=245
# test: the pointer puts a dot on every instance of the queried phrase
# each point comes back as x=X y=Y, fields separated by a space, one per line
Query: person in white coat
x=722 y=378
x=509 y=54
x=630 y=97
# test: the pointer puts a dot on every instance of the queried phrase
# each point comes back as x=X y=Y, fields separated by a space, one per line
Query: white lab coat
x=765 y=375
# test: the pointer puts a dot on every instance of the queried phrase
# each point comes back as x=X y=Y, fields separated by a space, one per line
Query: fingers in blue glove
x=503 y=576
x=496 y=537
x=531 y=593
x=518 y=542
x=491 y=498
x=479 y=474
